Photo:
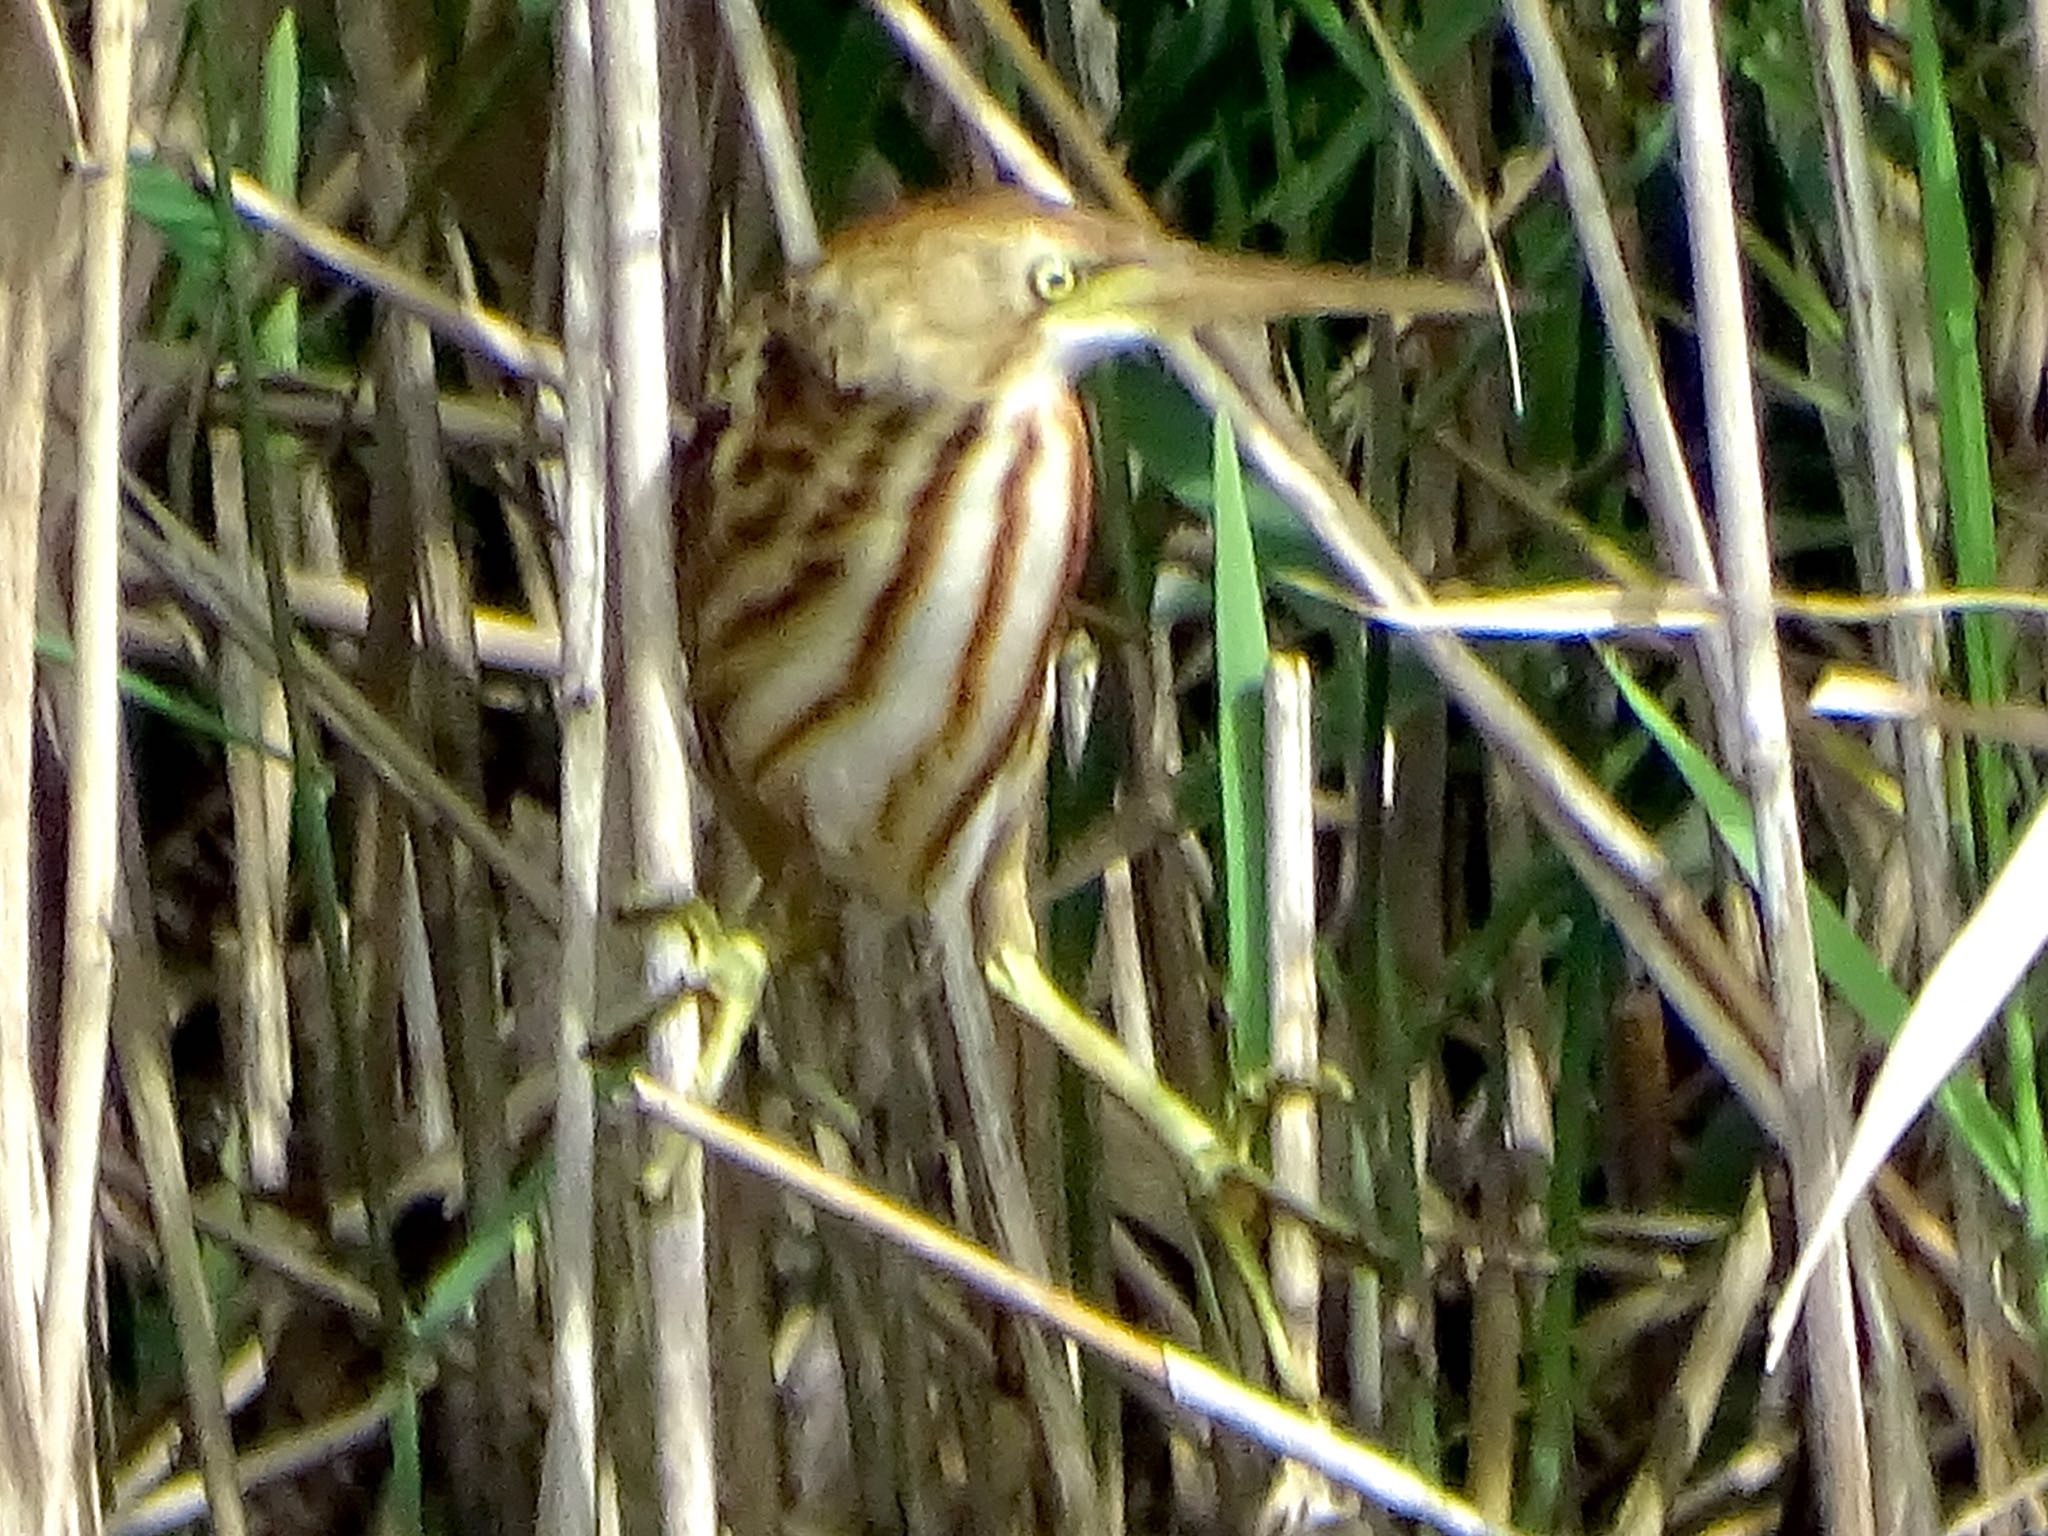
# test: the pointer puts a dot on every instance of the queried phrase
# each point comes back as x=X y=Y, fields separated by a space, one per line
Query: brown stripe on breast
x=814 y=583
x=1013 y=512
x=924 y=536
x=977 y=787
x=940 y=843
x=969 y=677
x=1081 y=497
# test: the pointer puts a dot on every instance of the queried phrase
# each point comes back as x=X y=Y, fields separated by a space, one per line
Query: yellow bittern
x=898 y=505
x=895 y=513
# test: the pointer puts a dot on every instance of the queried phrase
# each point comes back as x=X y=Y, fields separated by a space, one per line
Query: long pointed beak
x=1182 y=286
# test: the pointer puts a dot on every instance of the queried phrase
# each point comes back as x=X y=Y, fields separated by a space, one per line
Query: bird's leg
x=731 y=969
x=1006 y=936
x=1212 y=1161
x=1019 y=978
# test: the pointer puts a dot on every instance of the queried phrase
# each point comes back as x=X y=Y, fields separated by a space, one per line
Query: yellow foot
x=728 y=971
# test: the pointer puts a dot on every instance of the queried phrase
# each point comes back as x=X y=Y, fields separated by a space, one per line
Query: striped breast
x=877 y=599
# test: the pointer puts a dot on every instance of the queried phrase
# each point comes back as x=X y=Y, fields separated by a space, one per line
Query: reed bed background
x=1522 y=902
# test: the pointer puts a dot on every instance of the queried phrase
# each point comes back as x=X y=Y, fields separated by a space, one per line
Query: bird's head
x=953 y=294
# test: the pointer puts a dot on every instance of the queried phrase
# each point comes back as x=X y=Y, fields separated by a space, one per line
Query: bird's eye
x=1052 y=278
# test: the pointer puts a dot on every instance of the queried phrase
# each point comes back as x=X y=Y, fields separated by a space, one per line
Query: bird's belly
x=889 y=720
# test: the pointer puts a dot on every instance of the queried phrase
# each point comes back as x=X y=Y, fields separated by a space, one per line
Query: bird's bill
x=1185 y=286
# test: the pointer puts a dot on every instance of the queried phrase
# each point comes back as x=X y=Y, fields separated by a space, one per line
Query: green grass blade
x=454 y=1288
x=1987 y=641
x=1240 y=730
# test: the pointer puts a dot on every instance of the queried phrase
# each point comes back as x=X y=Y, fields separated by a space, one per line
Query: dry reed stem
x=93 y=869
x=568 y=1501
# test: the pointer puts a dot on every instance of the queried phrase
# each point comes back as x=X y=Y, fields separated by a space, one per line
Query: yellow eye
x=1053 y=278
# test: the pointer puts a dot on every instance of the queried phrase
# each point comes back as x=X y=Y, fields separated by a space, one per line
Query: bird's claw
x=729 y=969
